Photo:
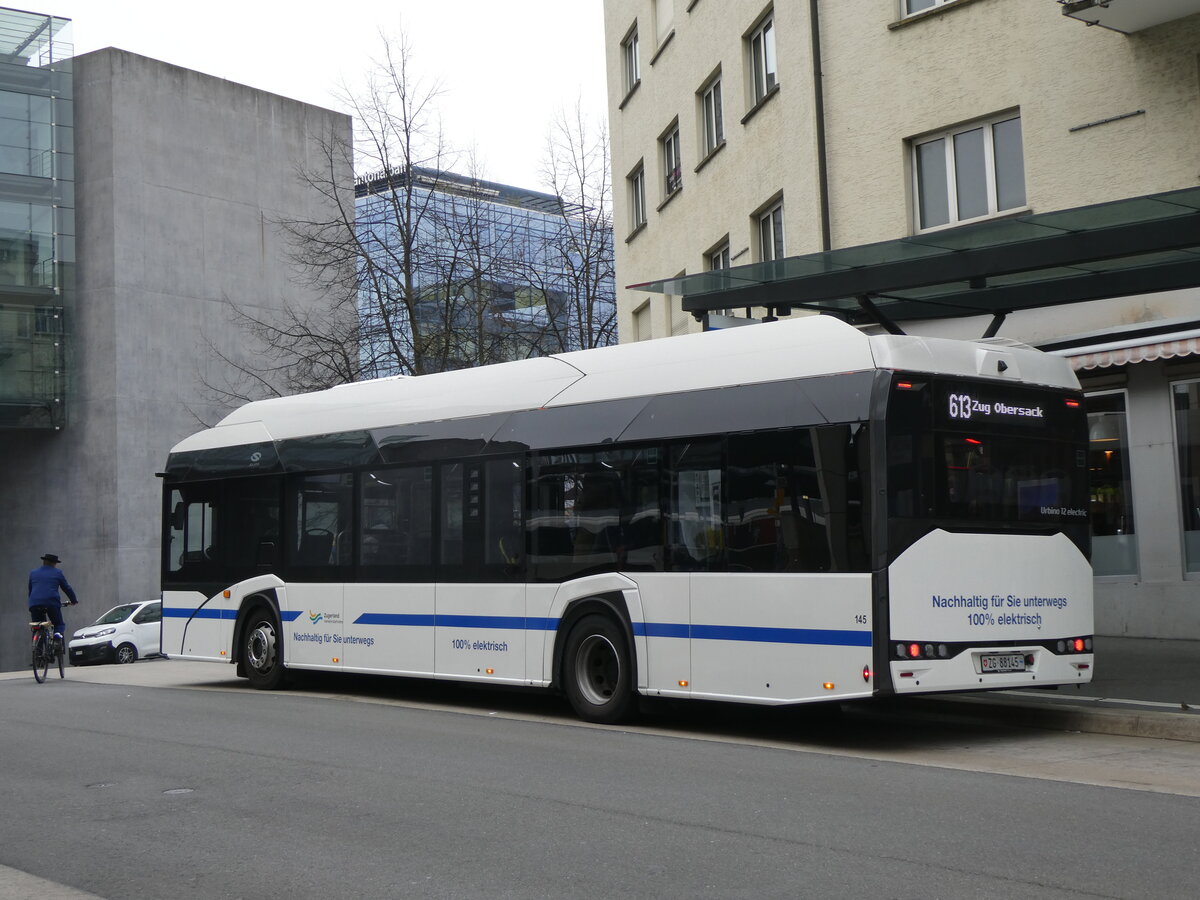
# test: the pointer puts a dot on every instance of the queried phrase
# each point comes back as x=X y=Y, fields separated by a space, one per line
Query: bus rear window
x=968 y=451
x=1003 y=478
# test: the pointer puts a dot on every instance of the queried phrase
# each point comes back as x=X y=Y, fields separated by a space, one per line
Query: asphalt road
x=121 y=782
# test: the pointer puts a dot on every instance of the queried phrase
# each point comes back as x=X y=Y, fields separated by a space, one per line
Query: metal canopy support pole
x=873 y=311
x=997 y=320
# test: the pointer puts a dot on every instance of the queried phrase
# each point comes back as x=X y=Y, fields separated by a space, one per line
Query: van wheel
x=262 y=653
x=126 y=653
x=597 y=671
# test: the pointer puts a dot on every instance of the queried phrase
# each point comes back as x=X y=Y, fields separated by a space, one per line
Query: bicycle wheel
x=41 y=659
x=59 y=650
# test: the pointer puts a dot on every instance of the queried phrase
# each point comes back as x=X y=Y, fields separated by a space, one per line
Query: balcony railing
x=1129 y=16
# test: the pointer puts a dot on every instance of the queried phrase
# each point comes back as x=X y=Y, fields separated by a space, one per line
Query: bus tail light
x=917 y=650
x=1074 y=645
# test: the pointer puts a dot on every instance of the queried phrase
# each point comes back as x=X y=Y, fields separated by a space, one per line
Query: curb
x=1112 y=719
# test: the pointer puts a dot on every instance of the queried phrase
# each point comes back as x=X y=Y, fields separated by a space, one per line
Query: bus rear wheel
x=262 y=654
x=597 y=671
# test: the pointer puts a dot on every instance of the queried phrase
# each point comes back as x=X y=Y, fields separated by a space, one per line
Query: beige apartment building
x=745 y=132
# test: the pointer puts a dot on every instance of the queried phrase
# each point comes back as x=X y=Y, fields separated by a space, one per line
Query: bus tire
x=262 y=650
x=597 y=672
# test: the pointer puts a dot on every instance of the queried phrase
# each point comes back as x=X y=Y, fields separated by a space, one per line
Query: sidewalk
x=1146 y=669
x=1142 y=687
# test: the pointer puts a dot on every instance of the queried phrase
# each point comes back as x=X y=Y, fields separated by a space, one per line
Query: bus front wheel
x=262 y=654
x=597 y=671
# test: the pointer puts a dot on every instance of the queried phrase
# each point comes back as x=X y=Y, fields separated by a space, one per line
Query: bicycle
x=46 y=650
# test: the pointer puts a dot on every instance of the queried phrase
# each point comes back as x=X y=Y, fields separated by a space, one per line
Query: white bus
x=776 y=514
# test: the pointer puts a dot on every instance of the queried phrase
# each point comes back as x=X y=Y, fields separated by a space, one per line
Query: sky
x=506 y=66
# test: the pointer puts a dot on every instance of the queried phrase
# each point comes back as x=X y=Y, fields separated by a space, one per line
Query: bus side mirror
x=178 y=516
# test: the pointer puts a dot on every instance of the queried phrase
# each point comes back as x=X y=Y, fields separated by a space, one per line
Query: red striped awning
x=1085 y=359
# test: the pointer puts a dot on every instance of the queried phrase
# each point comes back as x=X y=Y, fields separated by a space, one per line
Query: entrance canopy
x=1139 y=245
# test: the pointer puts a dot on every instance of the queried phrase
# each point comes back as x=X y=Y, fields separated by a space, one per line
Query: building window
x=1186 y=397
x=712 y=117
x=664 y=13
x=715 y=261
x=637 y=198
x=629 y=59
x=916 y=6
x=969 y=173
x=46 y=321
x=770 y=233
x=672 y=160
x=642 y=329
x=1114 y=544
x=763 y=72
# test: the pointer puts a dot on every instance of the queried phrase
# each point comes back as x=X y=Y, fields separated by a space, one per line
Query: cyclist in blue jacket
x=44 y=601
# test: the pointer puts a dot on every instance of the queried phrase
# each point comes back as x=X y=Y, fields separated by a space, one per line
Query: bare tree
x=370 y=254
x=424 y=270
x=581 y=252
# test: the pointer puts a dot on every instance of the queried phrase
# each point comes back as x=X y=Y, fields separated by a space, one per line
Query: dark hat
x=51 y=558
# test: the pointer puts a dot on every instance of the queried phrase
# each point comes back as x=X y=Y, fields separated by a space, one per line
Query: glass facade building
x=37 y=218
x=495 y=273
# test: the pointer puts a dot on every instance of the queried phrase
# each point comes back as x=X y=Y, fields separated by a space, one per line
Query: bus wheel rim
x=597 y=669
x=260 y=648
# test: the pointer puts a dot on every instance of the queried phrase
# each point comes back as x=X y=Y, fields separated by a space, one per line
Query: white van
x=121 y=635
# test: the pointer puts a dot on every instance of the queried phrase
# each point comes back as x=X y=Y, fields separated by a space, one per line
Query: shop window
x=1186 y=397
x=1114 y=543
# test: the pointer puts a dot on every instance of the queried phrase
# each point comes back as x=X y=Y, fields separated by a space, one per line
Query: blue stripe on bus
x=395 y=619
x=819 y=636
x=174 y=612
x=660 y=629
x=823 y=636
x=520 y=623
x=179 y=612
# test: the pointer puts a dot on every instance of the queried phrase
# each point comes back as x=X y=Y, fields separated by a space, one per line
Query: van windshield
x=117 y=614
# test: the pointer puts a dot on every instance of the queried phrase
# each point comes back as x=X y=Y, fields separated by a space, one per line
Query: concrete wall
x=179 y=178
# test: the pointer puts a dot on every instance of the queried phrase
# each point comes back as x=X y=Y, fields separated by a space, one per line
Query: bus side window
x=396 y=519
x=504 y=514
x=191 y=532
x=450 y=519
x=320 y=516
x=694 y=533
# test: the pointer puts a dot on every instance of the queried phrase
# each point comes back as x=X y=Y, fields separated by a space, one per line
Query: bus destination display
x=965 y=406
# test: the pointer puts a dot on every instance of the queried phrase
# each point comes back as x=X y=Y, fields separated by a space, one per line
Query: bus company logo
x=256 y=456
x=314 y=617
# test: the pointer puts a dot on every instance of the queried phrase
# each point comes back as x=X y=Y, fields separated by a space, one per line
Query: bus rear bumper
x=966 y=672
